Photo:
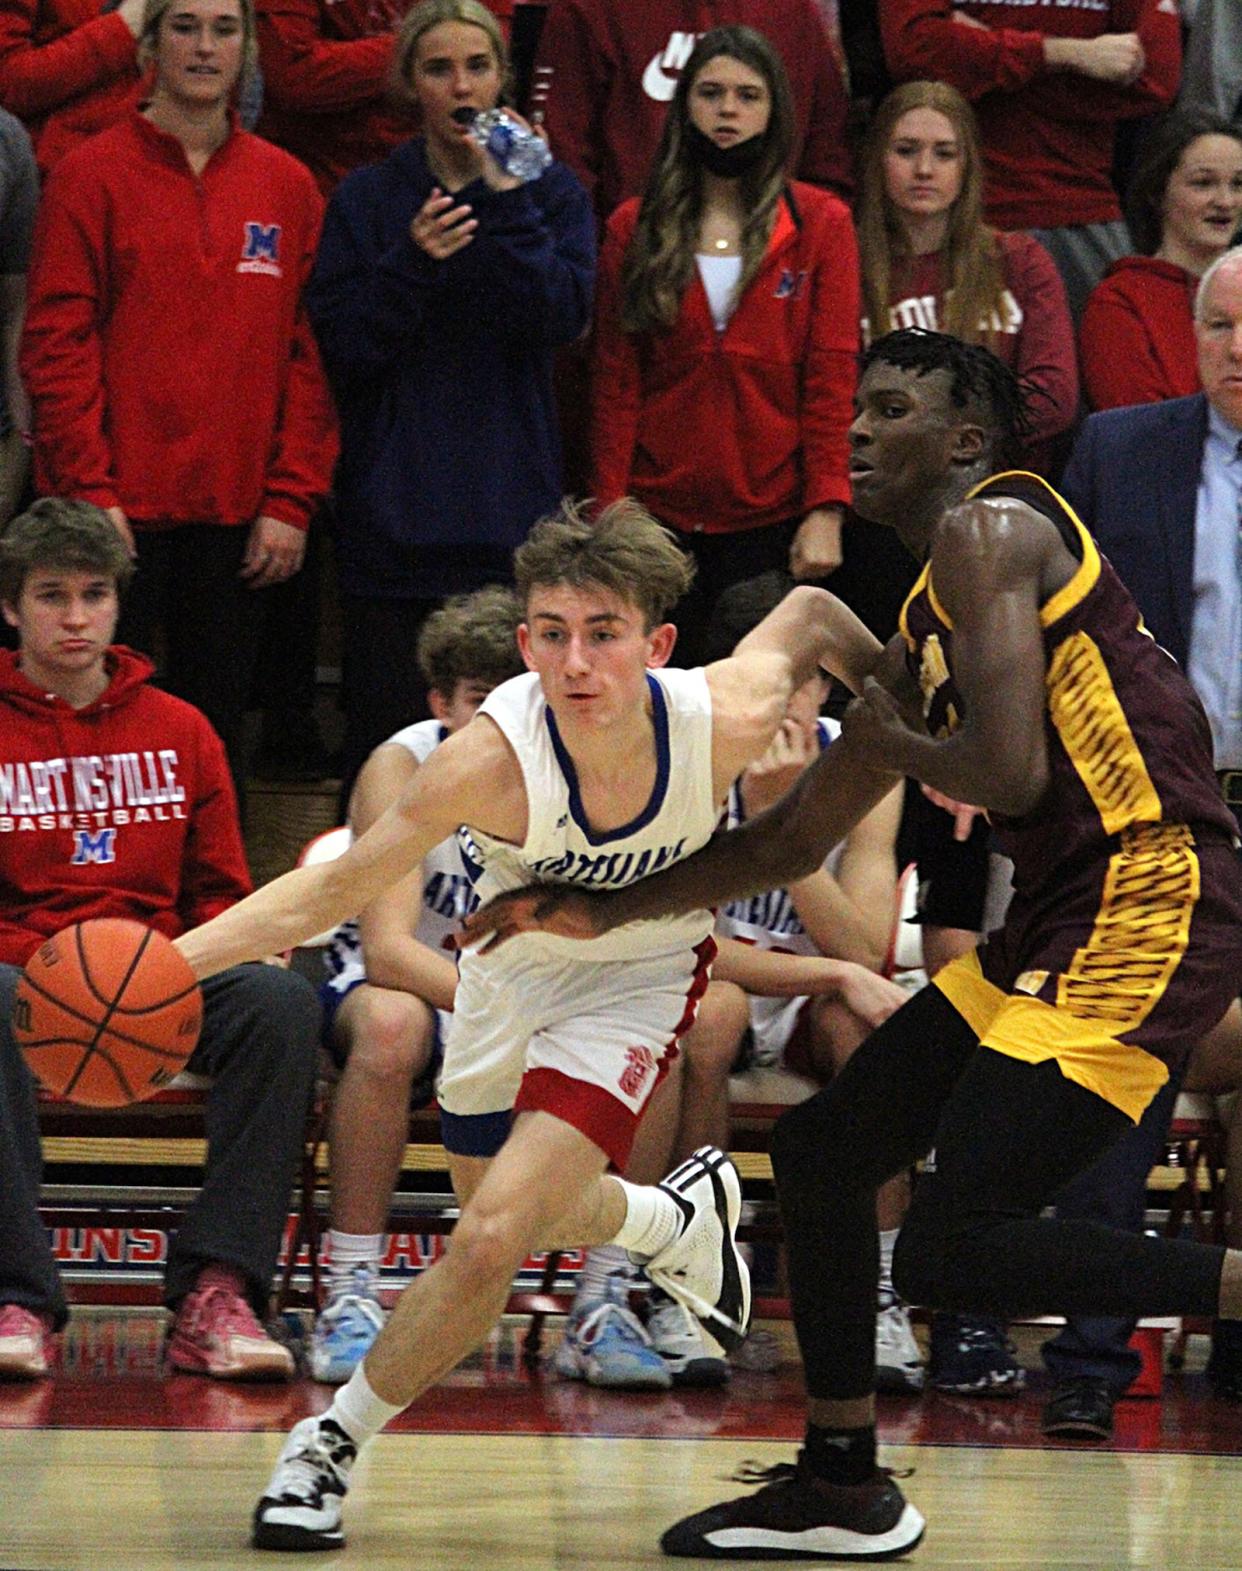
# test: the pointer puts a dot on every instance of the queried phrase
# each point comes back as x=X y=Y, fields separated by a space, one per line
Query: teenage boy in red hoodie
x=115 y=800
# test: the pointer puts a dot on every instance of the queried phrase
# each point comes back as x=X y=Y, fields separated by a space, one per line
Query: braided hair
x=976 y=377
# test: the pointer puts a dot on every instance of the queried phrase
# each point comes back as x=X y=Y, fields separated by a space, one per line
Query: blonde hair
x=624 y=551
x=659 y=262
x=153 y=15
x=972 y=272
x=427 y=14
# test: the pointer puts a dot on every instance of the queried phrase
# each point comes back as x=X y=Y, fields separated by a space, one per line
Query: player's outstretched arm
x=472 y=776
x=811 y=629
x=787 y=842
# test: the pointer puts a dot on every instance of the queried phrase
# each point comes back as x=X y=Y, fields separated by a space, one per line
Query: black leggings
x=1007 y=1136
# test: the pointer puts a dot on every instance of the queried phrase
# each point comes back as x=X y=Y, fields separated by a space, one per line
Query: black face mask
x=727 y=162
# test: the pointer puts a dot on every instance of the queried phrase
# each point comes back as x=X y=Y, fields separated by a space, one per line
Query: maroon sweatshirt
x=1047 y=135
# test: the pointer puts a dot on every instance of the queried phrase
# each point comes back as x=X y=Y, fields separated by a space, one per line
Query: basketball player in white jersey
x=596 y=768
x=392 y=975
x=794 y=985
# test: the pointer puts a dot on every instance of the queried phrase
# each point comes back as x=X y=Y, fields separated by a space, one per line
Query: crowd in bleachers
x=351 y=323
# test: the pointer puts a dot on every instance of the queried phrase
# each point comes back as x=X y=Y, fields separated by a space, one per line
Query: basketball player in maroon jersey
x=1022 y=679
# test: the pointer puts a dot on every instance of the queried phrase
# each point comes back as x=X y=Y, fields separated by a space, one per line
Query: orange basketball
x=107 y=1012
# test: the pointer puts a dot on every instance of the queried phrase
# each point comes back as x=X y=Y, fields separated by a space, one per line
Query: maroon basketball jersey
x=1128 y=741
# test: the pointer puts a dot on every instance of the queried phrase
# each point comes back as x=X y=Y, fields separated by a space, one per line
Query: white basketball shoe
x=702 y=1267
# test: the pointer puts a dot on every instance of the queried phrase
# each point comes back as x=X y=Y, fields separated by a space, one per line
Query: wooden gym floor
x=117 y=1466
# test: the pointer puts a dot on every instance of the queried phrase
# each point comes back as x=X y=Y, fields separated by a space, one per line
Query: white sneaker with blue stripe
x=347 y=1326
x=605 y=1345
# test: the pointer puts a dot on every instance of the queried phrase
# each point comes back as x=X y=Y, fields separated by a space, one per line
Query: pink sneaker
x=216 y=1333
x=25 y=1343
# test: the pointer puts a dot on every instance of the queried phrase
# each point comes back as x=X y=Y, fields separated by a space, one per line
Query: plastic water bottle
x=519 y=152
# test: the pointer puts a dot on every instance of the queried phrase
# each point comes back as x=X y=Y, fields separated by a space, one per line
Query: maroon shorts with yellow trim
x=1118 y=970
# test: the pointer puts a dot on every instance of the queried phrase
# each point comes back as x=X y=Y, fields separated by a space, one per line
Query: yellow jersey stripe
x=1141 y=930
x=1070 y=594
x=1087 y=715
x=903 y=622
x=934 y=601
x=1079 y=586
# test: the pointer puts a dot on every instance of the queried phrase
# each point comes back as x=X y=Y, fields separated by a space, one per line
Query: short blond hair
x=624 y=551
x=427 y=14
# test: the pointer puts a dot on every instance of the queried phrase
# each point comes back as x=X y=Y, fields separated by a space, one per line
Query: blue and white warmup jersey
x=770 y=921
x=561 y=847
x=448 y=891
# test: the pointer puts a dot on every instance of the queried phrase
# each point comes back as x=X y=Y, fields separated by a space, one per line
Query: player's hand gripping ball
x=107 y=1012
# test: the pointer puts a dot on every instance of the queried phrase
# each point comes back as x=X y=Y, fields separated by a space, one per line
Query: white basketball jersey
x=448 y=892
x=561 y=847
x=770 y=920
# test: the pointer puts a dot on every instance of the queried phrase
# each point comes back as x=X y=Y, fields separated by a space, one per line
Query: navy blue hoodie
x=443 y=372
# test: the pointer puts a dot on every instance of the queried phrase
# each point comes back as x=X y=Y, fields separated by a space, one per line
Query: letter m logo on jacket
x=791 y=284
x=261 y=249
x=93 y=848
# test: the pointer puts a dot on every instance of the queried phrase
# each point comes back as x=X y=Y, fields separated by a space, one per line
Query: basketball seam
x=114 y=1014
x=109 y=1006
x=72 y=1010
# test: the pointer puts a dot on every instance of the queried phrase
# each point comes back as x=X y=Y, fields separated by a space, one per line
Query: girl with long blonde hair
x=929 y=260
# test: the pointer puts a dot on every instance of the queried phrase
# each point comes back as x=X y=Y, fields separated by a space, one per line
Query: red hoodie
x=66 y=69
x=728 y=431
x=1047 y=135
x=170 y=362
x=1137 y=336
x=606 y=69
x=124 y=808
x=325 y=81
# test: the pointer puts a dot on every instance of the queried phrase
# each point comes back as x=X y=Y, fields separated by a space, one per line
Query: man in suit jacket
x=1133 y=479
x=1160 y=487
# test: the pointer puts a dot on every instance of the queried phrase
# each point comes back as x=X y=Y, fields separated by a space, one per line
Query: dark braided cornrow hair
x=975 y=376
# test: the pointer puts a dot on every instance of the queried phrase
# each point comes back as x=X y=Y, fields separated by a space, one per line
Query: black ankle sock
x=840 y=1456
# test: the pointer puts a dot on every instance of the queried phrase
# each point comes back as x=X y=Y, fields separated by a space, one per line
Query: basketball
x=107 y=1012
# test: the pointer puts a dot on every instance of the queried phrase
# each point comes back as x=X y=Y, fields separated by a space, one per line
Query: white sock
x=597 y=1266
x=357 y=1409
x=652 y=1220
x=348 y=1251
x=888 y=1238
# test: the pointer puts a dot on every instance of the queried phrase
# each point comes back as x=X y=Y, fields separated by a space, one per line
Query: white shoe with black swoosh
x=702 y=1267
